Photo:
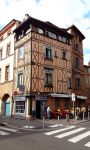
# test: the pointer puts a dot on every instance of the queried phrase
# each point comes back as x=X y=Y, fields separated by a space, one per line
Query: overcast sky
x=63 y=13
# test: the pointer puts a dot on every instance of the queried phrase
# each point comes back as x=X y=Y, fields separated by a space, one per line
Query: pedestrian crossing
x=7 y=131
x=72 y=134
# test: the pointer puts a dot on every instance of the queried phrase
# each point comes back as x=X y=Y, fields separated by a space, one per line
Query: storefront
x=19 y=105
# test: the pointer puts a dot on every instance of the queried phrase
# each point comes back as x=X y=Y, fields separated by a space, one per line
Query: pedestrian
x=48 y=113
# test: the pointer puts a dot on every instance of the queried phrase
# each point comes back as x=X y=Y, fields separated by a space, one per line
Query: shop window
x=56 y=103
x=20 y=107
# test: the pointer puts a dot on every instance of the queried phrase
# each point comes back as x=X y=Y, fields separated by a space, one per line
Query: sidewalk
x=38 y=124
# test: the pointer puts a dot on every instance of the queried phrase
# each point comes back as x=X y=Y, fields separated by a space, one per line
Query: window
x=1 y=53
x=48 y=54
x=56 y=102
x=52 y=35
x=1 y=39
x=20 y=78
x=64 y=54
x=8 y=49
x=40 y=31
x=66 y=103
x=7 y=73
x=20 y=106
x=21 y=52
x=69 y=84
x=8 y=33
x=76 y=47
x=60 y=38
x=77 y=63
x=78 y=83
x=48 y=77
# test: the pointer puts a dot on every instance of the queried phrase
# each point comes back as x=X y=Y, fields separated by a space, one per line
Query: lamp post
x=73 y=100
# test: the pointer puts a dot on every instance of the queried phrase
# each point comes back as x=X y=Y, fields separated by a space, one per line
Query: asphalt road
x=27 y=140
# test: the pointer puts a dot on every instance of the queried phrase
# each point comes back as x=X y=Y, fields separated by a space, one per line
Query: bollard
x=43 y=123
x=83 y=115
x=67 y=118
x=88 y=115
x=28 y=121
x=58 y=120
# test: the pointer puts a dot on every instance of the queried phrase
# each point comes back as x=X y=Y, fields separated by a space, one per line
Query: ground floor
x=36 y=104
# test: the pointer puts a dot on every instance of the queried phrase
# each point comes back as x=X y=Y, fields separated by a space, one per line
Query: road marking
x=8 y=129
x=70 y=132
x=79 y=137
x=30 y=127
x=56 y=125
x=59 y=130
x=87 y=144
x=3 y=133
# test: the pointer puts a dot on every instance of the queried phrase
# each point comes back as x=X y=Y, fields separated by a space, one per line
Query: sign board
x=73 y=97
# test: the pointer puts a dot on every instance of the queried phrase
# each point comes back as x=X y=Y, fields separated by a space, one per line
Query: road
x=67 y=137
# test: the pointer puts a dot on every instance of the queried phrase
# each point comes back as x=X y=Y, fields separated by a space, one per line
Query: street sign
x=73 y=97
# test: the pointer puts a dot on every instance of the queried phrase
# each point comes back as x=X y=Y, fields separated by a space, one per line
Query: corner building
x=42 y=67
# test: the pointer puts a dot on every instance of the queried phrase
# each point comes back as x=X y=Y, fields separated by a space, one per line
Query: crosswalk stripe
x=79 y=137
x=59 y=130
x=87 y=144
x=55 y=125
x=8 y=129
x=69 y=133
x=3 y=133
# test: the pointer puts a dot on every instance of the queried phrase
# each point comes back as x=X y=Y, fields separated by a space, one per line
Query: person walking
x=48 y=113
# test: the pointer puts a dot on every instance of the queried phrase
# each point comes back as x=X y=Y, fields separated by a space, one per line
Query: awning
x=81 y=97
x=61 y=95
x=67 y=96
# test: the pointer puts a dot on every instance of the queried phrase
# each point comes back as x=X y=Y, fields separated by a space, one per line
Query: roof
x=42 y=24
x=5 y=27
x=75 y=28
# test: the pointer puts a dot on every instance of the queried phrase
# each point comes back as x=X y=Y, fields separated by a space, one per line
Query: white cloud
x=63 y=13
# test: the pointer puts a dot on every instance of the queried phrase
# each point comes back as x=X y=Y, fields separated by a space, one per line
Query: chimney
x=26 y=17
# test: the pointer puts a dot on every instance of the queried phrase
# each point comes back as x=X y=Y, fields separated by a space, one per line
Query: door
x=38 y=109
x=7 y=109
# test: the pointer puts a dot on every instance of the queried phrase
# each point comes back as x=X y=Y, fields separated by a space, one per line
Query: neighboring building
x=78 y=83
x=6 y=67
x=87 y=82
x=42 y=67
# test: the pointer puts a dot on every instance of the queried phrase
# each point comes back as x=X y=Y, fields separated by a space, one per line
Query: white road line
x=70 y=132
x=3 y=133
x=59 y=130
x=79 y=137
x=87 y=144
x=31 y=127
x=56 y=125
x=8 y=129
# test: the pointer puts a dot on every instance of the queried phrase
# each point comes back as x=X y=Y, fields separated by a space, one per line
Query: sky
x=62 y=13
